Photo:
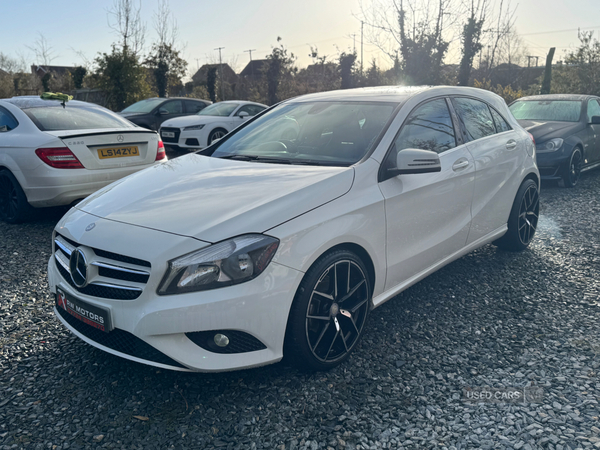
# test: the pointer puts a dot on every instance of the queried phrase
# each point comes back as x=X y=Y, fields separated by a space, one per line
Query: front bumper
x=152 y=329
x=192 y=139
x=551 y=164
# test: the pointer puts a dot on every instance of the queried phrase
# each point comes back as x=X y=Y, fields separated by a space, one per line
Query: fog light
x=221 y=340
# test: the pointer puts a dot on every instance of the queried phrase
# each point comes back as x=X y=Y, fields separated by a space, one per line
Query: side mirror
x=414 y=161
x=243 y=114
x=163 y=112
x=596 y=120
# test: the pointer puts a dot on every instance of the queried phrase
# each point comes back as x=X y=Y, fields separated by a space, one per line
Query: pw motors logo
x=62 y=300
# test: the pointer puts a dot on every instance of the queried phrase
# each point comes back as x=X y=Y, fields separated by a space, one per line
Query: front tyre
x=216 y=134
x=523 y=218
x=329 y=312
x=572 y=171
x=13 y=202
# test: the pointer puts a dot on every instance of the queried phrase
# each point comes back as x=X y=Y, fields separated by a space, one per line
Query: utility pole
x=251 y=66
x=221 y=67
x=362 y=24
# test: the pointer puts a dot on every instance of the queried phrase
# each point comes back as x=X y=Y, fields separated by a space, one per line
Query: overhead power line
x=559 y=31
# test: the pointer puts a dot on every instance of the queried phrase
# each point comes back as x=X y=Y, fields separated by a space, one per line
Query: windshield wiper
x=238 y=157
x=272 y=160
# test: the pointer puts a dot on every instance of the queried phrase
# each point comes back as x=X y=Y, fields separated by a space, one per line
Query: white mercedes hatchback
x=54 y=154
x=262 y=246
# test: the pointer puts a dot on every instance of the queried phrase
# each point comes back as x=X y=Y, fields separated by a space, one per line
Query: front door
x=592 y=150
x=427 y=215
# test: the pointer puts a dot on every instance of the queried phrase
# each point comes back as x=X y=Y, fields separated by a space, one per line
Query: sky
x=74 y=28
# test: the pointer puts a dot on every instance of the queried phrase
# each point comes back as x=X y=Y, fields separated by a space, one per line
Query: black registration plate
x=98 y=318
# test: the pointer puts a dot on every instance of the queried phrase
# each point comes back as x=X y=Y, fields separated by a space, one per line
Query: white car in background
x=262 y=246
x=213 y=122
x=55 y=154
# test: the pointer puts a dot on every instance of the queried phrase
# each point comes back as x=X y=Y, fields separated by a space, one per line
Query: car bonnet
x=213 y=199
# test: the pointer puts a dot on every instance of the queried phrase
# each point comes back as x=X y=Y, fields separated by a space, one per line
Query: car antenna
x=64 y=98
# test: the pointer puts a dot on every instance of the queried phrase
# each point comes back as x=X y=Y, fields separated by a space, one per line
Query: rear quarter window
x=7 y=121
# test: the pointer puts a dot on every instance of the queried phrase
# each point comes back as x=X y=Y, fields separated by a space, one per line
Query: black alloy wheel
x=523 y=219
x=329 y=312
x=573 y=170
x=13 y=202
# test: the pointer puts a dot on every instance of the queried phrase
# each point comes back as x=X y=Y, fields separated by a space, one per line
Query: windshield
x=56 y=118
x=547 y=110
x=320 y=133
x=145 y=106
x=218 y=109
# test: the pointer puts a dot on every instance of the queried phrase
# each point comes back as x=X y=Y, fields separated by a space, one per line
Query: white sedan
x=213 y=122
x=262 y=246
x=56 y=154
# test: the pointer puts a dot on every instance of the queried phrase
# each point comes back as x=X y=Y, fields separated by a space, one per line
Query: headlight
x=229 y=262
x=194 y=127
x=550 y=146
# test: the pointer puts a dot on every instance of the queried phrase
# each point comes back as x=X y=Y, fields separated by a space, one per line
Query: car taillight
x=59 y=158
x=160 y=152
x=532 y=138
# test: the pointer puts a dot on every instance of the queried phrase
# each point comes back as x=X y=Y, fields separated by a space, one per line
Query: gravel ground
x=489 y=319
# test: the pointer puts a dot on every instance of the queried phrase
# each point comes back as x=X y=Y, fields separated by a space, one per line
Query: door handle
x=460 y=164
x=511 y=145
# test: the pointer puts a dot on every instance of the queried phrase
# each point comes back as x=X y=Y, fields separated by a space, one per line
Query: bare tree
x=125 y=20
x=8 y=64
x=501 y=34
x=417 y=32
x=164 y=58
x=44 y=53
x=165 y=24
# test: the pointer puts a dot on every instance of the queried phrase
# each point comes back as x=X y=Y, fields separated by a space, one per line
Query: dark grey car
x=152 y=112
x=566 y=129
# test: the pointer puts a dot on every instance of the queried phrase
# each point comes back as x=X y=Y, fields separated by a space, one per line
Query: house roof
x=228 y=74
x=254 y=68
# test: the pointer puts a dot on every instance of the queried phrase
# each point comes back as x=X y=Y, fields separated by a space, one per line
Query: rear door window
x=476 y=118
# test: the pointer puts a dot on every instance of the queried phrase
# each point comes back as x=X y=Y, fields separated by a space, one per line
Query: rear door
x=498 y=151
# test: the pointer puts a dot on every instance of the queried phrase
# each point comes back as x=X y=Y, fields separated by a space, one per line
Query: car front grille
x=120 y=341
x=173 y=140
x=109 y=275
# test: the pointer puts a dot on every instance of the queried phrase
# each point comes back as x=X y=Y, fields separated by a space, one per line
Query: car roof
x=579 y=97
x=391 y=93
x=240 y=102
x=34 y=101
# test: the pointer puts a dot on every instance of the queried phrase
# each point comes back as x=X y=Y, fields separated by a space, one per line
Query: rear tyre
x=523 y=218
x=13 y=202
x=329 y=312
x=572 y=171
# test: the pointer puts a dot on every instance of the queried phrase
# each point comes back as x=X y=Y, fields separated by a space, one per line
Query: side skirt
x=387 y=295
